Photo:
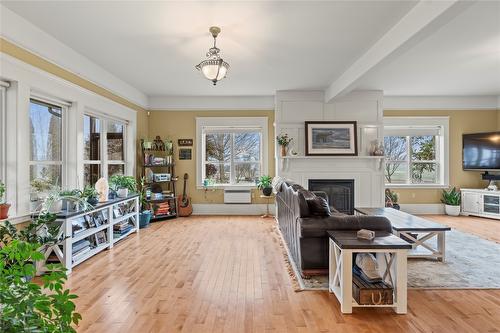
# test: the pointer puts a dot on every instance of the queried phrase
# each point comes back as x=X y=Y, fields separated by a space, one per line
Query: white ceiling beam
x=422 y=20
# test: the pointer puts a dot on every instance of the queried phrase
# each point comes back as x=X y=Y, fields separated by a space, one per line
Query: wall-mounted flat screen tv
x=481 y=151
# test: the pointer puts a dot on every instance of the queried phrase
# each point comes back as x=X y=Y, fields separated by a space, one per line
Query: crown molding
x=180 y=103
x=441 y=102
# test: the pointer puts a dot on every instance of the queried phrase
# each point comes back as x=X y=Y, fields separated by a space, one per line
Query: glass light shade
x=214 y=70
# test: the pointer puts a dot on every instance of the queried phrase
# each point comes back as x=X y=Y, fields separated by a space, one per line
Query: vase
x=144 y=218
x=122 y=192
x=452 y=210
x=283 y=151
x=4 y=211
x=267 y=191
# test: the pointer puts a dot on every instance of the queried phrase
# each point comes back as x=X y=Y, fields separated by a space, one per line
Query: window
x=102 y=158
x=416 y=155
x=233 y=150
x=46 y=132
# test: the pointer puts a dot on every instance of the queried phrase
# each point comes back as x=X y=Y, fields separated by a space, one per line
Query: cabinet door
x=470 y=202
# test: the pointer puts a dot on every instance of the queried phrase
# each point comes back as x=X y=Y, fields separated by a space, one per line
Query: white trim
x=441 y=102
x=46 y=98
x=423 y=209
x=28 y=36
x=443 y=151
x=255 y=122
x=3 y=106
x=183 y=103
x=231 y=209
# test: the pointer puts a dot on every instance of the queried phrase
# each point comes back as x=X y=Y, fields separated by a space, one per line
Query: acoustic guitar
x=184 y=202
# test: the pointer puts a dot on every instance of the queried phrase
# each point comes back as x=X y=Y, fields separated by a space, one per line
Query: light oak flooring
x=227 y=274
x=479 y=226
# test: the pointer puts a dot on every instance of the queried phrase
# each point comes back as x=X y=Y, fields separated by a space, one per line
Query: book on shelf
x=77 y=246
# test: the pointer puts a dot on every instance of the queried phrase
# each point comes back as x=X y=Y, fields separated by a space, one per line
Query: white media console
x=479 y=202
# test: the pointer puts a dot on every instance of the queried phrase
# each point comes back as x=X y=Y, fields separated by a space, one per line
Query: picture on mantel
x=331 y=138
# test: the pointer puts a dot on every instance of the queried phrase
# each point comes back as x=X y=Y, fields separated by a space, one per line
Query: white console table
x=110 y=211
x=480 y=202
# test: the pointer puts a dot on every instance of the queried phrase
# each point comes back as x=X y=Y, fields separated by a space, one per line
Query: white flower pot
x=122 y=192
x=452 y=210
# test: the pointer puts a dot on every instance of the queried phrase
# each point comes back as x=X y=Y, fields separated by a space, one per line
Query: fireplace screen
x=340 y=193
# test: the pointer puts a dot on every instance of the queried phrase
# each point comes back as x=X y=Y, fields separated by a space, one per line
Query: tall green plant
x=451 y=197
x=25 y=306
x=264 y=182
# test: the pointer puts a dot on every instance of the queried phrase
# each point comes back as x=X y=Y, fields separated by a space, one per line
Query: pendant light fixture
x=213 y=68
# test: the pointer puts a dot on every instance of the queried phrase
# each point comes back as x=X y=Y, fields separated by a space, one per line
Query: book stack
x=162 y=209
x=121 y=228
x=81 y=247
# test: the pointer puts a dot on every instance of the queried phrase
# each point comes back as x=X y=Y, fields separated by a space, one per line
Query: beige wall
x=461 y=121
x=142 y=133
x=182 y=125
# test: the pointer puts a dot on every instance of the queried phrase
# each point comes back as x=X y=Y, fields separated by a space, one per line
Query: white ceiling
x=461 y=58
x=275 y=45
x=270 y=46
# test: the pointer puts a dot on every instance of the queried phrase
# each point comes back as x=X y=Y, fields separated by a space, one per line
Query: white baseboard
x=231 y=209
x=423 y=209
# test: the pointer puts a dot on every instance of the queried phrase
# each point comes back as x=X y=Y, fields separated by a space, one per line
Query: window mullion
x=104 y=150
x=408 y=157
x=232 y=168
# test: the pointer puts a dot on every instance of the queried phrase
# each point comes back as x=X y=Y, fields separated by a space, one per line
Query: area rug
x=471 y=263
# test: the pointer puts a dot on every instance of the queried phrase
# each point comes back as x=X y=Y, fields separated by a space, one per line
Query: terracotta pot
x=4 y=211
x=283 y=151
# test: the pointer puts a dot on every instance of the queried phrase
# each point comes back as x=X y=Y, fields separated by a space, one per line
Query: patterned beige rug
x=471 y=263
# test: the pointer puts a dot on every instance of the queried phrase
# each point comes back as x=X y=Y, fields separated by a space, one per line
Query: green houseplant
x=90 y=195
x=26 y=306
x=451 y=199
x=123 y=185
x=264 y=184
x=4 y=207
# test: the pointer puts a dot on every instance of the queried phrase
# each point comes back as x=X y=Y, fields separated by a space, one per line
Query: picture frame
x=117 y=212
x=185 y=154
x=79 y=224
x=331 y=138
x=90 y=220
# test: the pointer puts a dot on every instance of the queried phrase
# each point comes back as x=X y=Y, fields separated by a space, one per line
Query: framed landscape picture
x=330 y=138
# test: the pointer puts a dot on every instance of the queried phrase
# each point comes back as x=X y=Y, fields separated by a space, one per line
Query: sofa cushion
x=303 y=196
x=318 y=206
x=318 y=226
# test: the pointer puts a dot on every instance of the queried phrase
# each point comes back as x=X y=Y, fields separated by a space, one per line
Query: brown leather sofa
x=306 y=235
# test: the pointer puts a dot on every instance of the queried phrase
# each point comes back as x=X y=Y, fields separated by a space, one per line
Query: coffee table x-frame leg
x=436 y=253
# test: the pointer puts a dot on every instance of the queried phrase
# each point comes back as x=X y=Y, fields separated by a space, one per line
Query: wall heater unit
x=237 y=196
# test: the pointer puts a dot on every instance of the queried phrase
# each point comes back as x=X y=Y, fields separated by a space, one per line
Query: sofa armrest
x=318 y=226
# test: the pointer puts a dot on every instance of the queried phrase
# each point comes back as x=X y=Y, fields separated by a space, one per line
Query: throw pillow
x=318 y=206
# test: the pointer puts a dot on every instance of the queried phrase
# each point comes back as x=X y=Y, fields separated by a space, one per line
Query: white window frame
x=442 y=146
x=231 y=124
x=3 y=137
x=104 y=162
x=64 y=124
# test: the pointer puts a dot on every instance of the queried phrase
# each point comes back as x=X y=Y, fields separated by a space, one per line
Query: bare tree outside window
x=233 y=157
x=396 y=152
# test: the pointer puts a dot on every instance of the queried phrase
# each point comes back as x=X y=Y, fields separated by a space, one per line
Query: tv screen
x=481 y=151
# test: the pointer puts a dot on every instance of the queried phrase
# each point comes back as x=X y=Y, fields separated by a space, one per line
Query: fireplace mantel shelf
x=319 y=157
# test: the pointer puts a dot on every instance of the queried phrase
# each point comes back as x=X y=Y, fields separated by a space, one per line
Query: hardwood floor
x=227 y=274
x=479 y=226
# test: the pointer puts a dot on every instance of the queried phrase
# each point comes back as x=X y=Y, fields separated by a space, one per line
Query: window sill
x=417 y=186
x=222 y=187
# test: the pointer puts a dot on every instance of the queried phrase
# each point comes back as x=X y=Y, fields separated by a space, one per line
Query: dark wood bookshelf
x=160 y=151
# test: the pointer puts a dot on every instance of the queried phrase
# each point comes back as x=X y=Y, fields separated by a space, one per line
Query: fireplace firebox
x=340 y=193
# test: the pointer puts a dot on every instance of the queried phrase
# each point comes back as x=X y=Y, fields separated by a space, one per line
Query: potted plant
x=391 y=199
x=145 y=214
x=4 y=207
x=451 y=200
x=123 y=185
x=283 y=140
x=68 y=199
x=264 y=184
x=90 y=195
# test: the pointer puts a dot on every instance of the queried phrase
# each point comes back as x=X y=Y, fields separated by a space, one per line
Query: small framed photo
x=78 y=225
x=331 y=138
x=90 y=219
x=100 y=237
x=185 y=154
x=117 y=212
